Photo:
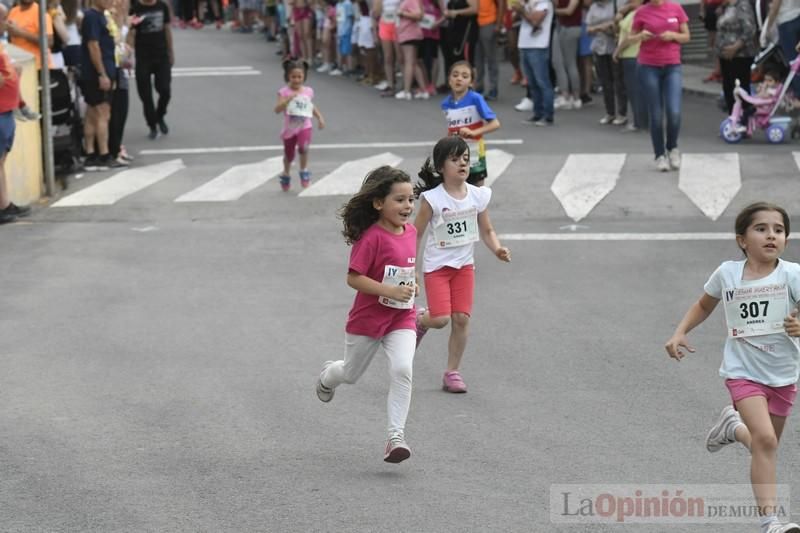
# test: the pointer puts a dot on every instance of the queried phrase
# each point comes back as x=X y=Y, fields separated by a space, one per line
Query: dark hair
x=359 y=213
x=772 y=73
x=431 y=172
x=745 y=217
x=291 y=64
x=462 y=63
x=70 y=8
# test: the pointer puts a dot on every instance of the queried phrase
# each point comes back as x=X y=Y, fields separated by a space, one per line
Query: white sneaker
x=724 y=431
x=403 y=95
x=576 y=103
x=629 y=128
x=674 y=159
x=326 y=67
x=421 y=95
x=608 y=119
x=620 y=121
x=336 y=72
x=325 y=394
x=526 y=104
x=777 y=527
x=382 y=85
x=661 y=164
x=562 y=103
x=396 y=448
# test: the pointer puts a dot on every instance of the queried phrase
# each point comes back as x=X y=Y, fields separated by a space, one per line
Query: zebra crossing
x=579 y=184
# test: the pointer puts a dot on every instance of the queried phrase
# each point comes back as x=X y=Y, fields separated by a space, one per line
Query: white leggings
x=399 y=346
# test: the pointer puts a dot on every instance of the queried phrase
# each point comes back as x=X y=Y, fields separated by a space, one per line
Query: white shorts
x=365 y=38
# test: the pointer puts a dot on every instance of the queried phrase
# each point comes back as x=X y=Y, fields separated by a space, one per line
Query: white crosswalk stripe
x=584 y=180
x=235 y=182
x=120 y=185
x=348 y=177
x=593 y=186
x=710 y=181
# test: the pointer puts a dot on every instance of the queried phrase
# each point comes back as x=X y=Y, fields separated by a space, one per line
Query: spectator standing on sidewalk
x=9 y=101
x=23 y=30
x=534 y=49
x=626 y=53
x=118 y=26
x=601 y=25
x=661 y=26
x=98 y=69
x=490 y=22
x=151 y=36
x=736 y=46
x=565 y=53
x=709 y=11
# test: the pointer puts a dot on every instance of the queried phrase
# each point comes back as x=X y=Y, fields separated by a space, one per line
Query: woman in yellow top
x=626 y=53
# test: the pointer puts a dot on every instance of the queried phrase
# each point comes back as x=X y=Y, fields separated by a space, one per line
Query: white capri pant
x=399 y=346
x=365 y=38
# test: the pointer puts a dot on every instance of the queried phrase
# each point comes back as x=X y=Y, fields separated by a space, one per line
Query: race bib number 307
x=758 y=310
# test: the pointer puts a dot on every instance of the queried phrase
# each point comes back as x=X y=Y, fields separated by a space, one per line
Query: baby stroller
x=67 y=124
x=765 y=117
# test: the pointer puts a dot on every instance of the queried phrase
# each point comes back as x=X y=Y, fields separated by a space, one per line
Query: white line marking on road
x=120 y=185
x=235 y=182
x=206 y=74
x=497 y=162
x=211 y=69
x=348 y=177
x=584 y=180
x=337 y=146
x=796 y=159
x=616 y=236
x=710 y=181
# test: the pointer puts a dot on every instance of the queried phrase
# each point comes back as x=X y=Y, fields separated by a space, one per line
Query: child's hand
x=402 y=293
x=646 y=35
x=321 y=123
x=675 y=344
x=503 y=254
x=466 y=133
x=791 y=324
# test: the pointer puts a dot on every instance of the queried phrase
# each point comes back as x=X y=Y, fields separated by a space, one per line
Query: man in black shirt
x=98 y=69
x=151 y=38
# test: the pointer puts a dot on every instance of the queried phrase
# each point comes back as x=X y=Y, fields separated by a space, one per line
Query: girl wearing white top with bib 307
x=455 y=215
x=761 y=360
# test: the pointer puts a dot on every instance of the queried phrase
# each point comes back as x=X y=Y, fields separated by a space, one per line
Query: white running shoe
x=403 y=95
x=382 y=85
x=661 y=164
x=336 y=72
x=421 y=95
x=326 y=67
x=724 y=431
x=396 y=448
x=674 y=159
x=526 y=104
x=325 y=394
x=608 y=119
x=620 y=121
x=562 y=103
x=777 y=527
x=576 y=103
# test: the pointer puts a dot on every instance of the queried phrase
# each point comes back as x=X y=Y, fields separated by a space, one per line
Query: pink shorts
x=779 y=399
x=450 y=290
x=300 y=141
x=387 y=31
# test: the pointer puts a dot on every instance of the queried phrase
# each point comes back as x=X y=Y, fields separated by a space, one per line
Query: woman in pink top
x=662 y=27
x=409 y=35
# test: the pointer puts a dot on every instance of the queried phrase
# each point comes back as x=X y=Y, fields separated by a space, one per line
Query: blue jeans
x=536 y=66
x=788 y=35
x=661 y=89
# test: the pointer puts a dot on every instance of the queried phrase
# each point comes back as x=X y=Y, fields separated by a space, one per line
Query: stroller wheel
x=776 y=134
x=727 y=131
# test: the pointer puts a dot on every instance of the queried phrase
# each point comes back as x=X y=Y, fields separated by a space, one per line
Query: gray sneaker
x=325 y=394
x=674 y=159
x=724 y=431
x=661 y=164
x=777 y=527
x=397 y=450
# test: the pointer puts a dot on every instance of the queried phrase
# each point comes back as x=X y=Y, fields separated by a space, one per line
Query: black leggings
x=116 y=124
x=162 y=72
x=731 y=69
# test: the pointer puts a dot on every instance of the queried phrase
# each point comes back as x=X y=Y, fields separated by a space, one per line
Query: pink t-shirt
x=371 y=254
x=407 y=29
x=297 y=115
x=657 y=19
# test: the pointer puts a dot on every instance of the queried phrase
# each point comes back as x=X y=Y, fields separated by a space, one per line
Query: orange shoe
x=714 y=76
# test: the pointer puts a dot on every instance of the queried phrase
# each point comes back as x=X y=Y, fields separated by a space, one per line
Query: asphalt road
x=159 y=359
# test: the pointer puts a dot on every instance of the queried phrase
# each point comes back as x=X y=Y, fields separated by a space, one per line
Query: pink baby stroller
x=775 y=126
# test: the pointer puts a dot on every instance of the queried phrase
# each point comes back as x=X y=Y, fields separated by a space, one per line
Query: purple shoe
x=421 y=330
x=452 y=382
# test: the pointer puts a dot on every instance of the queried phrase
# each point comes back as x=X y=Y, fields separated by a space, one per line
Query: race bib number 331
x=456 y=228
x=757 y=310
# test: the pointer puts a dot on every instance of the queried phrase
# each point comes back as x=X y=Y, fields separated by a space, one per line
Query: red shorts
x=779 y=399
x=387 y=31
x=450 y=290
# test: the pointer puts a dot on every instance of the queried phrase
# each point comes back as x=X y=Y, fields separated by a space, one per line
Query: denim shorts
x=7 y=129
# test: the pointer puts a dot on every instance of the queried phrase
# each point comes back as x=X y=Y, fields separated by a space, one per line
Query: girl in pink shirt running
x=295 y=102
x=377 y=223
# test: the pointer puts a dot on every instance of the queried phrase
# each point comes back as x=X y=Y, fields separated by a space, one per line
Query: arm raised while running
x=695 y=316
x=367 y=285
x=489 y=237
